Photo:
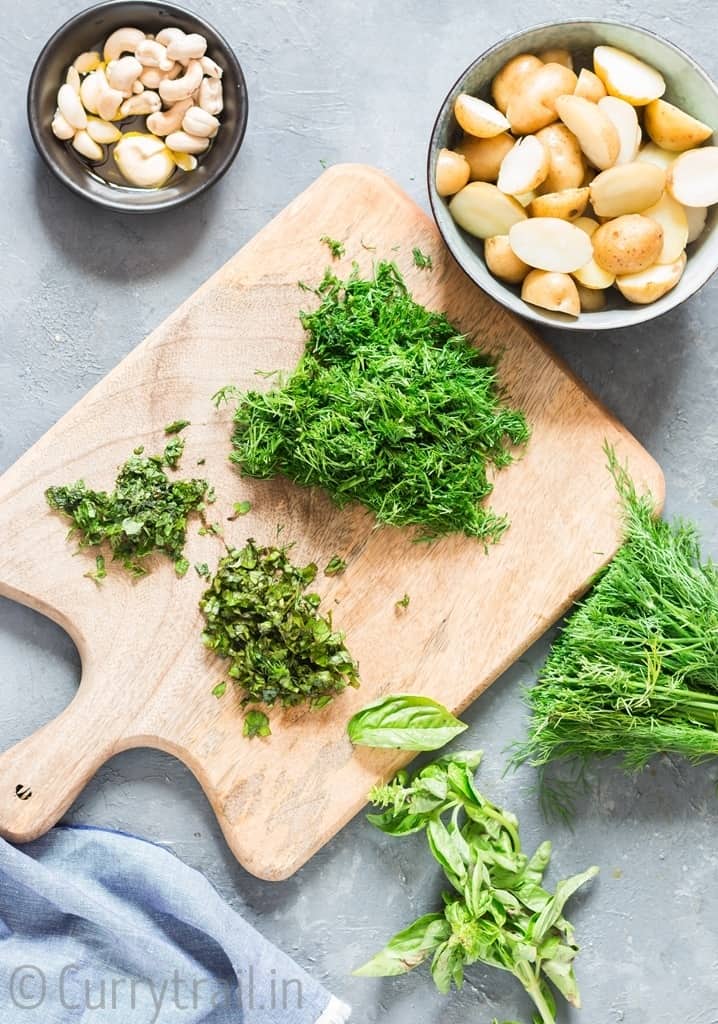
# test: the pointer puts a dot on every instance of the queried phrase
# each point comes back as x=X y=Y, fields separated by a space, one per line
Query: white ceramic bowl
x=688 y=86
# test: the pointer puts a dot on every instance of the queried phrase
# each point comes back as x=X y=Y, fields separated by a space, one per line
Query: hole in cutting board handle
x=22 y=792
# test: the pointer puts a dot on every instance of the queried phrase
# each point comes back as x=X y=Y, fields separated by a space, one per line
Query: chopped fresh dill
x=336 y=248
x=335 y=566
x=225 y=395
x=176 y=426
x=403 y=602
x=421 y=259
x=100 y=572
x=390 y=406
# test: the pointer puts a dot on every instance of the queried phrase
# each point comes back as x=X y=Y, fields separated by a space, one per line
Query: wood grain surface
x=146 y=677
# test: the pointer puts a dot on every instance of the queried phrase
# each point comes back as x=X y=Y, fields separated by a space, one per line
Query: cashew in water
x=190 y=47
x=166 y=121
x=98 y=97
x=123 y=73
x=73 y=78
x=138 y=87
x=151 y=77
x=146 y=102
x=124 y=40
x=102 y=131
x=87 y=62
x=185 y=161
x=180 y=88
x=211 y=96
x=70 y=107
x=144 y=160
x=86 y=145
x=182 y=142
x=198 y=122
x=152 y=54
x=61 y=128
x=211 y=67
x=168 y=34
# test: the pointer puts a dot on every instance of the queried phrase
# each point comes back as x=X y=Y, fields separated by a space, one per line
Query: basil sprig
x=404 y=722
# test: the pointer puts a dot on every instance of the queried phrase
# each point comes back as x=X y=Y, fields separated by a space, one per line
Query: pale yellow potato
x=452 y=172
x=479 y=118
x=673 y=129
x=526 y=198
x=502 y=261
x=533 y=106
x=673 y=220
x=594 y=130
x=551 y=290
x=625 y=121
x=567 y=166
x=508 y=81
x=627 y=77
x=524 y=167
x=548 y=243
x=653 y=154
x=485 y=155
x=557 y=56
x=628 y=244
x=483 y=210
x=653 y=283
x=590 y=86
x=593 y=300
x=587 y=224
x=693 y=177
x=629 y=188
x=696 y=217
x=593 y=276
x=567 y=205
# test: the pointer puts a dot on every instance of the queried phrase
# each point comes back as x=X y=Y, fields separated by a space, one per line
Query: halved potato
x=551 y=290
x=567 y=204
x=653 y=154
x=510 y=78
x=526 y=198
x=557 y=56
x=566 y=164
x=693 y=177
x=534 y=105
x=548 y=243
x=483 y=210
x=672 y=217
x=502 y=261
x=627 y=77
x=628 y=188
x=587 y=224
x=452 y=172
x=594 y=130
x=625 y=121
x=696 y=217
x=479 y=118
x=653 y=283
x=594 y=276
x=485 y=155
x=589 y=86
x=593 y=300
x=524 y=167
x=627 y=244
x=672 y=129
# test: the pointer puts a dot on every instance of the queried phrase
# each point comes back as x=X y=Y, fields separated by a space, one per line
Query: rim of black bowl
x=578 y=325
x=41 y=139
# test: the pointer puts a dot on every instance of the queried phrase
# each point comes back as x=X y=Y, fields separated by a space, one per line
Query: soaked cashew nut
x=172 y=90
x=182 y=142
x=73 y=78
x=86 y=145
x=198 y=122
x=166 y=121
x=144 y=160
x=168 y=34
x=190 y=47
x=103 y=132
x=61 y=128
x=123 y=73
x=70 y=107
x=97 y=96
x=185 y=161
x=87 y=62
x=124 y=40
x=146 y=102
x=211 y=96
x=211 y=67
x=152 y=54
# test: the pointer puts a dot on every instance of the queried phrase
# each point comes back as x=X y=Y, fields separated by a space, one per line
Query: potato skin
x=566 y=164
x=502 y=261
x=628 y=244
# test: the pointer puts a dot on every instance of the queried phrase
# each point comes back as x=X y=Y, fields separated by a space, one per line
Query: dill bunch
x=390 y=406
x=635 y=669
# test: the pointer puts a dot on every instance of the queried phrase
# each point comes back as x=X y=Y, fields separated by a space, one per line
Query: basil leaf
x=404 y=722
x=408 y=948
x=551 y=913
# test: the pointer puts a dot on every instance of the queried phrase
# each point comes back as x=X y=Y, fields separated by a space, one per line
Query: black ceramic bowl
x=84 y=32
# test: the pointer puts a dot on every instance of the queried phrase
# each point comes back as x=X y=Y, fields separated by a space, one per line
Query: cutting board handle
x=41 y=775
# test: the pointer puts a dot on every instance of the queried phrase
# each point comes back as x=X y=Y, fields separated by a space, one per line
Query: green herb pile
x=497 y=911
x=389 y=406
x=636 y=666
x=146 y=512
x=259 y=616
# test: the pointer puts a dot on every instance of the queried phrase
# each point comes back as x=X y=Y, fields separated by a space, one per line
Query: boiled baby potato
x=594 y=130
x=696 y=217
x=485 y=155
x=502 y=261
x=483 y=210
x=566 y=164
x=628 y=244
x=625 y=121
x=653 y=154
x=628 y=188
x=557 y=56
x=673 y=129
x=592 y=300
x=627 y=77
x=551 y=290
x=548 y=243
x=524 y=167
x=567 y=204
x=674 y=222
x=653 y=283
x=589 y=86
x=479 y=118
x=533 y=105
x=693 y=177
x=508 y=81
x=452 y=172
x=587 y=224
x=591 y=275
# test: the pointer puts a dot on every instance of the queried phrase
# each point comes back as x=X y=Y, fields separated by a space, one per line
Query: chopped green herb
x=404 y=722
x=336 y=248
x=174 y=450
x=389 y=406
x=220 y=689
x=202 y=569
x=404 y=602
x=335 y=566
x=258 y=617
x=176 y=427
x=225 y=395
x=146 y=511
x=323 y=163
x=181 y=566
x=207 y=528
x=100 y=570
x=256 y=723
x=421 y=259
x=240 y=508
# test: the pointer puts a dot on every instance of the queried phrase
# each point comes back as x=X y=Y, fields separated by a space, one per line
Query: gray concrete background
x=342 y=81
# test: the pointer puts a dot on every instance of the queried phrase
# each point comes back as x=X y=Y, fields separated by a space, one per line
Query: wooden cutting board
x=146 y=677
